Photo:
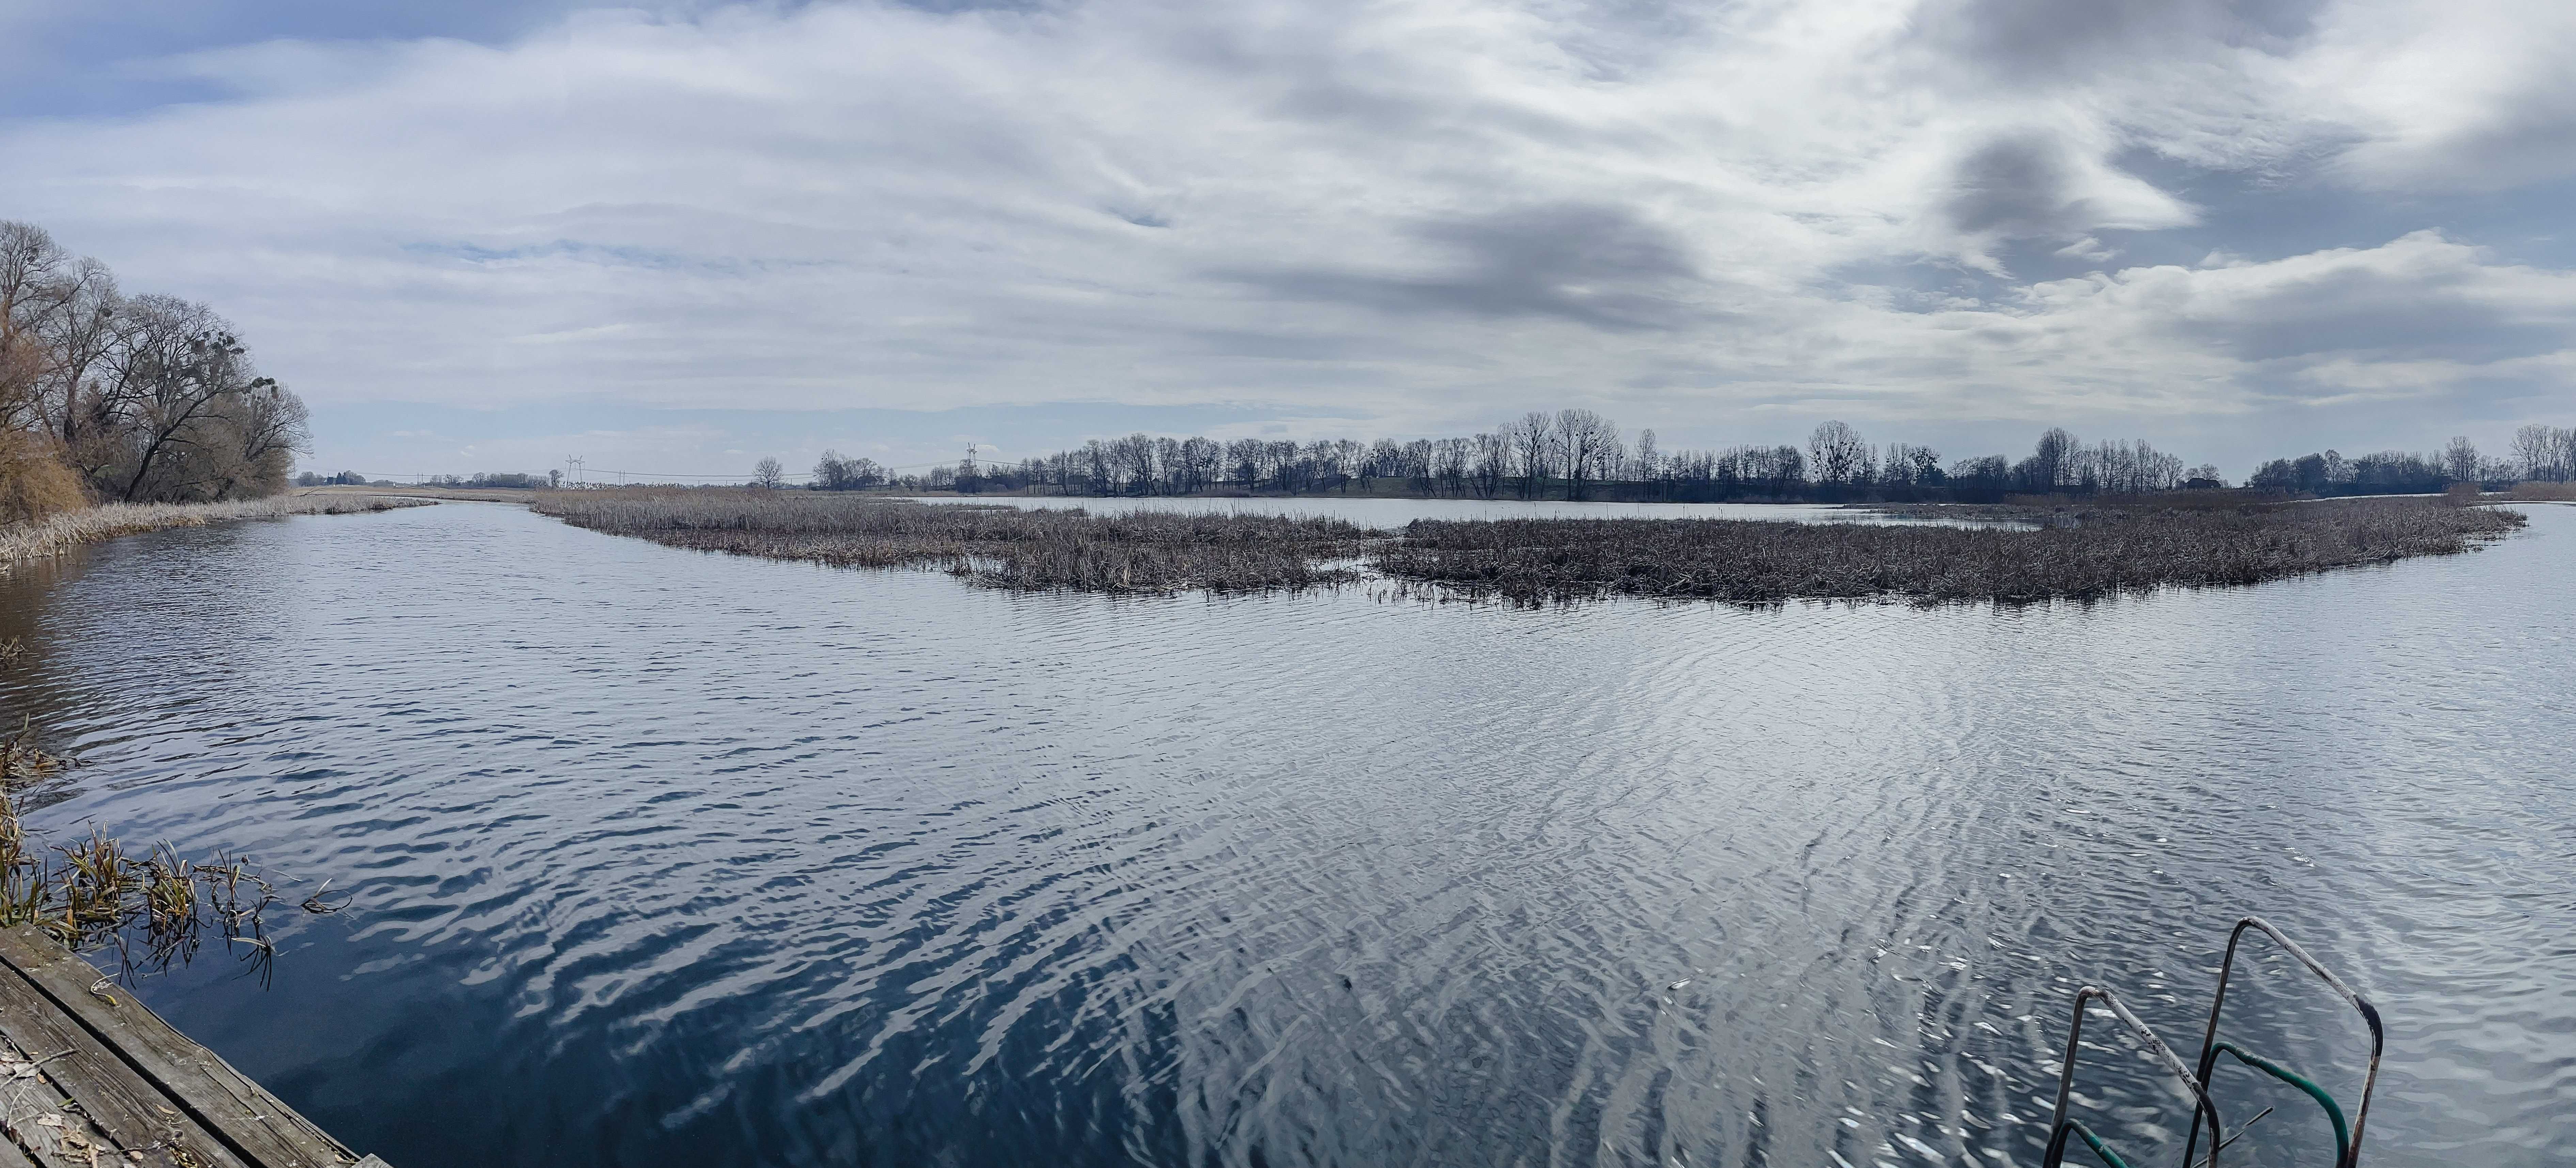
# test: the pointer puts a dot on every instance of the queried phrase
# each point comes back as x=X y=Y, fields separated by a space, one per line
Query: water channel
x=659 y=857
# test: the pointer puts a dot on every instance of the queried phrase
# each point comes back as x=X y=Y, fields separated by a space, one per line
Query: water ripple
x=671 y=858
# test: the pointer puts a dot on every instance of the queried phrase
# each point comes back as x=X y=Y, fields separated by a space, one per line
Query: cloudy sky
x=486 y=234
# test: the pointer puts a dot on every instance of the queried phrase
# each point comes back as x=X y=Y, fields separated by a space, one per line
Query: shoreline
x=57 y=533
x=2072 y=553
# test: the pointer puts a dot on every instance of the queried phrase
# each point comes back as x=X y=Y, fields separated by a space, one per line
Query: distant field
x=2066 y=552
x=460 y=494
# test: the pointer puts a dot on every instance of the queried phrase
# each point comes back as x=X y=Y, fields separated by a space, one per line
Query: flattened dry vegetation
x=61 y=530
x=1001 y=547
x=2072 y=552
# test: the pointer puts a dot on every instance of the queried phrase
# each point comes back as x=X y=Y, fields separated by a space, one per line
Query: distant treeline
x=117 y=398
x=2544 y=454
x=1579 y=454
x=1568 y=454
x=511 y=480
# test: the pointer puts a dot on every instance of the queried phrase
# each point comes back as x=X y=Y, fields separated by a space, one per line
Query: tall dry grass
x=1001 y=547
x=62 y=529
x=35 y=481
x=2543 y=492
x=2078 y=552
x=2056 y=552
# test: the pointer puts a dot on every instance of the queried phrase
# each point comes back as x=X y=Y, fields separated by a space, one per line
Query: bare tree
x=1491 y=463
x=2460 y=460
x=256 y=433
x=768 y=474
x=2547 y=453
x=28 y=260
x=2051 y=464
x=1585 y=443
x=835 y=473
x=1533 y=440
x=1838 y=456
x=178 y=363
x=81 y=329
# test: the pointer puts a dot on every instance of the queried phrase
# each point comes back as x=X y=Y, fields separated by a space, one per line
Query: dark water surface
x=669 y=858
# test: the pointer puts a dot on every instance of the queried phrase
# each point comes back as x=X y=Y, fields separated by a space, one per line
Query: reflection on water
x=668 y=858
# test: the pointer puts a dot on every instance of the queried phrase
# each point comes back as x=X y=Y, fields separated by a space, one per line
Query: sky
x=486 y=235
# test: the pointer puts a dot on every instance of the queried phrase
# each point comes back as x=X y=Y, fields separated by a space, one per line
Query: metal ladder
x=2063 y=1128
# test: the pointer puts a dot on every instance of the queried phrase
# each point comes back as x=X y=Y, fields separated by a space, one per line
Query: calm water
x=667 y=858
x=1389 y=514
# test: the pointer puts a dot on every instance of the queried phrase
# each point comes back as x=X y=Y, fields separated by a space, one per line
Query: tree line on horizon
x=110 y=397
x=2541 y=454
x=1571 y=454
x=1579 y=454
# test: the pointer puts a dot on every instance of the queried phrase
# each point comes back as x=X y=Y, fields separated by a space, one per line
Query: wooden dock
x=90 y=1078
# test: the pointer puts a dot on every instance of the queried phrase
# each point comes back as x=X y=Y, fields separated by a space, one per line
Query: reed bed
x=2071 y=553
x=997 y=547
x=2021 y=553
x=61 y=530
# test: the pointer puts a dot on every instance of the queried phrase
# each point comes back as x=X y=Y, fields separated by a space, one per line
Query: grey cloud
x=2388 y=315
x=1595 y=264
x=2527 y=137
x=2049 y=39
x=2018 y=187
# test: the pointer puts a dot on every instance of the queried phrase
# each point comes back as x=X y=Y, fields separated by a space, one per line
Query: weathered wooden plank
x=254 y=1125
x=11 y=1157
x=51 y=1059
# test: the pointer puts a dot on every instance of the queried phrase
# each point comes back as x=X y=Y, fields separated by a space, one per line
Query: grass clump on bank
x=1000 y=547
x=154 y=908
x=2071 y=553
x=62 y=529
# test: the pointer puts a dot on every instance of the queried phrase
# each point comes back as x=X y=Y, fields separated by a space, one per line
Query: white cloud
x=2468 y=96
x=1426 y=213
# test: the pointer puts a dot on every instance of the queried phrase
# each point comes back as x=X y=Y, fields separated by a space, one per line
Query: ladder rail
x=2350 y=1154
x=2060 y=1127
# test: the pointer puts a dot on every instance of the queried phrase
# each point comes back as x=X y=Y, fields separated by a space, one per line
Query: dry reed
x=999 y=547
x=95 y=891
x=61 y=530
x=2026 y=553
x=2073 y=552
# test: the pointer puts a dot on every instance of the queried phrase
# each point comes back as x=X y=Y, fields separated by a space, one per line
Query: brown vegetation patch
x=35 y=482
x=154 y=908
x=2078 y=552
x=1001 y=547
x=2047 y=552
x=108 y=520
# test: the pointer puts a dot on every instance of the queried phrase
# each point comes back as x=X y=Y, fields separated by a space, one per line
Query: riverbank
x=108 y=520
x=2026 y=554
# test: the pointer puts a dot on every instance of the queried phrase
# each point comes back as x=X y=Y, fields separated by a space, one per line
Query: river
x=659 y=857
